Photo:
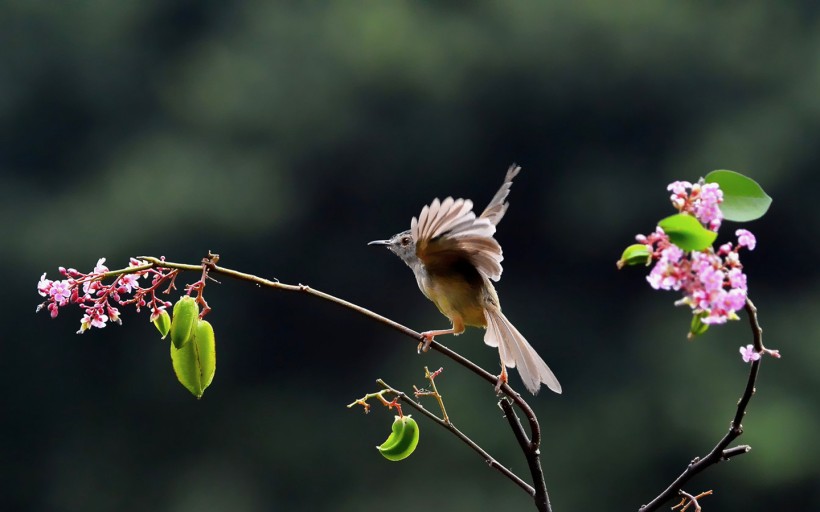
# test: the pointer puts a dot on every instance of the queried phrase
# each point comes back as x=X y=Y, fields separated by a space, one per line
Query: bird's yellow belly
x=457 y=298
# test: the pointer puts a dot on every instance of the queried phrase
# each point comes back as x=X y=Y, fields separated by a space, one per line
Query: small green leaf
x=635 y=254
x=195 y=363
x=743 y=198
x=687 y=232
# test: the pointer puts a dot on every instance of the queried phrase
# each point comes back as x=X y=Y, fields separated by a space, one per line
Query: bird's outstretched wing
x=497 y=207
x=448 y=231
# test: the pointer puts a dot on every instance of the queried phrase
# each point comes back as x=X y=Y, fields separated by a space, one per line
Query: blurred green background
x=285 y=135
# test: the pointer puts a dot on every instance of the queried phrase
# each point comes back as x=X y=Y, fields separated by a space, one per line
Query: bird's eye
x=405 y=241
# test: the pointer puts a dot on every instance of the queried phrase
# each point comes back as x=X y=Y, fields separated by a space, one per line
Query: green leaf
x=743 y=198
x=635 y=254
x=195 y=363
x=687 y=232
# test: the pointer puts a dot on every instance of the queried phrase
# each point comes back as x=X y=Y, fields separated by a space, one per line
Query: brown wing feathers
x=449 y=229
x=497 y=207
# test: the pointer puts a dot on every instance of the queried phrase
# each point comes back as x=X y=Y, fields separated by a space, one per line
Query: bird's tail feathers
x=516 y=352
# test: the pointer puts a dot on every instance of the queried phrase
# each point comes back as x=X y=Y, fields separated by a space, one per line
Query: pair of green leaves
x=743 y=201
x=193 y=346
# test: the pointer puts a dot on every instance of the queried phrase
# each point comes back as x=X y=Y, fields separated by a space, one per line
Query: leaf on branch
x=743 y=199
x=687 y=232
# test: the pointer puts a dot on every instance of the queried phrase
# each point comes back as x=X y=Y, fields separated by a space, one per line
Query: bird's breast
x=456 y=294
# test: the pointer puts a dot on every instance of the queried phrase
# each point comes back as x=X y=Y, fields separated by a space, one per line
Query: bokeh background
x=285 y=135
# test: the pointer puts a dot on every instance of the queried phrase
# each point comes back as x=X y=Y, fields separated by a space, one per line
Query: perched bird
x=455 y=257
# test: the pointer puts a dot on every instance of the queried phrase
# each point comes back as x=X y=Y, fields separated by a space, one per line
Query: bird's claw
x=502 y=379
x=424 y=346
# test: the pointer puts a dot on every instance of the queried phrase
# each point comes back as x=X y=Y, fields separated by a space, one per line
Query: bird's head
x=402 y=245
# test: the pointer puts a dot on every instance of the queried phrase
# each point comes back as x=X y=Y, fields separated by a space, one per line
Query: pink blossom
x=60 y=291
x=735 y=300
x=93 y=317
x=745 y=239
x=679 y=195
x=44 y=285
x=113 y=314
x=679 y=187
x=737 y=279
x=749 y=354
x=100 y=268
x=700 y=199
x=129 y=282
x=711 y=279
x=706 y=207
x=90 y=287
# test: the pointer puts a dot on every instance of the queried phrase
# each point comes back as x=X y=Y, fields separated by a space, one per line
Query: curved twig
x=720 y=452
x=533 y=455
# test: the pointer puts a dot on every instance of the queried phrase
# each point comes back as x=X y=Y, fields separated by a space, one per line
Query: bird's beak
x=379 y=242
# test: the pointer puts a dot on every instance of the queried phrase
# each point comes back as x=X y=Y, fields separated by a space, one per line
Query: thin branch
x=533 y=455
x=688 y=499
x=434 y=392
x=458 y=358
x=489 y=459
x=737 y=450
x=533 y=446
x=720 y=451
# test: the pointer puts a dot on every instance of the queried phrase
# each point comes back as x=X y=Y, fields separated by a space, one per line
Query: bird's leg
x=458 y=328
x=428 y=336
x=502 y=379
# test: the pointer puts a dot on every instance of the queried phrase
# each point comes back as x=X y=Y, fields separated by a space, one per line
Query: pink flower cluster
x=712 y=282
x=99 y=300
x=701 y=200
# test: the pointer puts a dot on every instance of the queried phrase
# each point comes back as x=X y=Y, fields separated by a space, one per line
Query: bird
x=456 y=259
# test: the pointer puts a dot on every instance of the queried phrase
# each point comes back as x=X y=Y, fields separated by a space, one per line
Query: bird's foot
x=428 y=336
x=502 y=379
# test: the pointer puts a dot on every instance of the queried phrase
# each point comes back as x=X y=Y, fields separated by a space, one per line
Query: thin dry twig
x=489 y=459
x=688 y=500
x=721 y=451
